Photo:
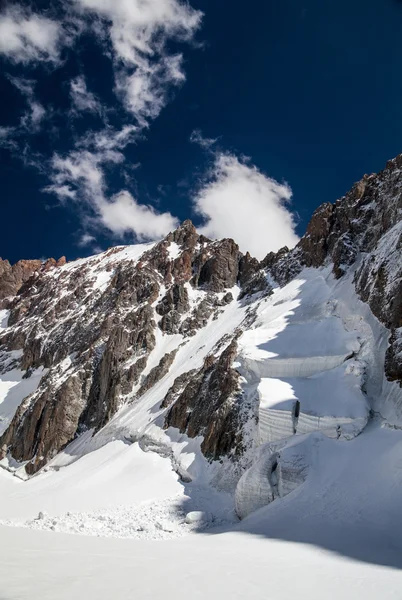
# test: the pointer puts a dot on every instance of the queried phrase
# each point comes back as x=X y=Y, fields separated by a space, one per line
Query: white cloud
x=63 y=192
x=6 y=138
x=37 y=113
x=124 y=214
x=197 y=137
x=32 y=119
x=86 y=239
x=140 y=27
x=240 y=202
x=23 y=85
x=5 y=131
x=136 y=35
x=26 y=37
x=109 y=138
x=139 y=31
x=83 y=100
x=80 y=177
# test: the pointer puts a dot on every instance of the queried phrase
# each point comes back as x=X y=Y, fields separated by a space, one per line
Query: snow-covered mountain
x=273 y=383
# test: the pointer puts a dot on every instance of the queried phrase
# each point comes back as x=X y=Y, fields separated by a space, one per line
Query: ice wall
x=309 y=377
x=275 y=473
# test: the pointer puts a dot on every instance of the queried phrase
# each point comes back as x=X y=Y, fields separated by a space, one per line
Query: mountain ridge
x=91 y=330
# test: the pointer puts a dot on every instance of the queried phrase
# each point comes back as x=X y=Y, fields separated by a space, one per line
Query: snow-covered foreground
x=44 y=566
x=337 y=535
x=115 y=491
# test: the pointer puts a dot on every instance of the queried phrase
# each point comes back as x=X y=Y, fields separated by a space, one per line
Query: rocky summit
x=190 y=341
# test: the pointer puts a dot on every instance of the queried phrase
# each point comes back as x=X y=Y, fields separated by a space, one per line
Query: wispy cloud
x=237 y=200
x=86 y=239
x=80 y=177
x=139 y=31
x=137 y=36
x=31 y=120
x=7 y=139
x=82 y=99
x=197 y=137
x=108 y=138
x=27 y=37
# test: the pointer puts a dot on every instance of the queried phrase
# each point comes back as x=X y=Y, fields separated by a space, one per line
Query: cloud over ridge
x=239 y=201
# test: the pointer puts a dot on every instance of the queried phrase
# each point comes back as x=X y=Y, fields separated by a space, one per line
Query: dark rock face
x=46 y=421
x=13 y=277
x=178 y=386
x=105 y=391
x=157 y=372
x=209 y=405
x=257 y=283
x=174 y=304
x=283 y=265
x=355 y=223
x=252 y=278
x=248 y=267
x=314 y=244
x=221 y=270
x=393 y=357
x=176 y=298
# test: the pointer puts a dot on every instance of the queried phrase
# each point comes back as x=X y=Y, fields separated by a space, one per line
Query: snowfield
x=44 y=566
x=319 y=488
x=337 y=534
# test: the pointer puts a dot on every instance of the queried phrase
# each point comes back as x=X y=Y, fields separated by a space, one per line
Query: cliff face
x=109 y=332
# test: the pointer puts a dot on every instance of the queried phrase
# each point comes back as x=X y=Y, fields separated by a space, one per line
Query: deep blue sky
x=311 y=91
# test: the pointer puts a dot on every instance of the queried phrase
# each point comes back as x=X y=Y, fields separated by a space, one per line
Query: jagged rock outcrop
x=13 y=277
x=218 y=269
x=209 y=406
x=174 y=304
x=157 y=372
x=257 y=283
x=178 y=386
x=46 y=421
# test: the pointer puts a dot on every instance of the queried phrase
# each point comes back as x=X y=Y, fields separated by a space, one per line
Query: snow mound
x=151 y=521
